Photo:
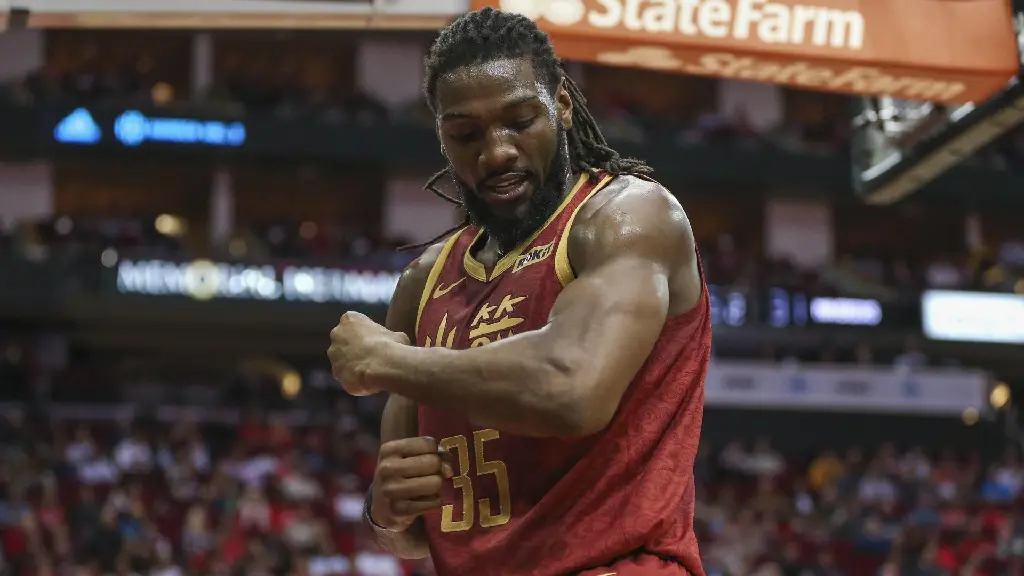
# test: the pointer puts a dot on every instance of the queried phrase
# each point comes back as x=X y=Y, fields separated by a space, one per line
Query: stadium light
x=999 y=398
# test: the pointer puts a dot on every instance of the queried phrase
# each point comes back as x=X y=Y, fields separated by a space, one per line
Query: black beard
x=547 y=195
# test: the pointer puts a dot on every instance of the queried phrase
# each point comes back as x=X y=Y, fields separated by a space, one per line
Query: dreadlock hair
x=489 y=34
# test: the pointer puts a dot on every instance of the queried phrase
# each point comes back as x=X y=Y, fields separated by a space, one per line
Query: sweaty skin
x=399 y=420
x=633 y=252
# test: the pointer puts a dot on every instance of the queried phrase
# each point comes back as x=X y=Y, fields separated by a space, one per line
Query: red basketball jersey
x=619 y=502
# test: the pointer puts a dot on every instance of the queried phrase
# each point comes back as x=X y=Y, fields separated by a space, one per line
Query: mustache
x=488 y=180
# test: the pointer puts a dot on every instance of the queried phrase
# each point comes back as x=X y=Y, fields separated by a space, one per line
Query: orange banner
x=239 y=14
x=951 y=51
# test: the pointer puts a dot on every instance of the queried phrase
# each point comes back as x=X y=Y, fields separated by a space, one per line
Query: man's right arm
x=400 y=417
x=399 y=421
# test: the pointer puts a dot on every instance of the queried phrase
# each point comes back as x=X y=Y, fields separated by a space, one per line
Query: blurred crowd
x=879 y=274
x=624 y=120
x=165 y=236
x=263 y=497
x=891 y=512
x=271 y=496
x=274 y=76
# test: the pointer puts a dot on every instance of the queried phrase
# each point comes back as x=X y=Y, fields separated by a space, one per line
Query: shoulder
x=415 y=275
x=406 y=300
x=631 y=216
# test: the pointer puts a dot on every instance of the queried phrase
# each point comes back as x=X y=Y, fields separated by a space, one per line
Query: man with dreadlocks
x=546 y=419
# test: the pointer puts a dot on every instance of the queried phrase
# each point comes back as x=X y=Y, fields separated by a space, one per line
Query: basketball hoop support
x=900 y=147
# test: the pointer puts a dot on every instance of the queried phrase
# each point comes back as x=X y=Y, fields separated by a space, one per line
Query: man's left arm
x=567 y=378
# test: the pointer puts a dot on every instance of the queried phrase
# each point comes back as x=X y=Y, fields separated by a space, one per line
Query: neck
x=496 y=247
x=569 y=182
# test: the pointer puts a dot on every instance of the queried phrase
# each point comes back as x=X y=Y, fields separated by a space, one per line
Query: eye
x=464 y=137
x=524 y=123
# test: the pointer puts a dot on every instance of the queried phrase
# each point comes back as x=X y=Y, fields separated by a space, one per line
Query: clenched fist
x=356 y=345
x=408 y=480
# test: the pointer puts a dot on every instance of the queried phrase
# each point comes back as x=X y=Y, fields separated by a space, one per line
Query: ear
x=564 y=103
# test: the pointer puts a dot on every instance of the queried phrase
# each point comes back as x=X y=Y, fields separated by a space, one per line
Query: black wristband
x=368 y=516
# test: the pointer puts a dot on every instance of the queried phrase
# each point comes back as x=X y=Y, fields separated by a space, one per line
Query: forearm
x=410 y=544
x=514 y=385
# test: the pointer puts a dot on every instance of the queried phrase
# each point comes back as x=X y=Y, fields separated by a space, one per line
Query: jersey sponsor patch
x=533 y=256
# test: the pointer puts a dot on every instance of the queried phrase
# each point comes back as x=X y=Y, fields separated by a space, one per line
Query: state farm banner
x=236 y=14
x=951 y=51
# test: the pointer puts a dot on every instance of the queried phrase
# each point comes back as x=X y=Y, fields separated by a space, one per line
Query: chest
x=465 y=312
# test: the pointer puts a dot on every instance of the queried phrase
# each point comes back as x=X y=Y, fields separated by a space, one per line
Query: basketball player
x=546 y=419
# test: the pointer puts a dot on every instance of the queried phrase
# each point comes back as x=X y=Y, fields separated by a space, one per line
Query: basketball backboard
x=899 y=146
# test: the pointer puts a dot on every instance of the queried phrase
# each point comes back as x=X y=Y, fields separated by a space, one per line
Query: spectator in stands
x=924 y=513
x=132 y=453
x=876 y=486
x=765 y=462
x=251 y=470
x=254 y=510
x=197 y=538
x=84 y=515
x=996 y=489
x=104 y=545
x=180 y=472
x=295 y=481
x=368 y=560
x=803 y=499
x=164 y=564
x=825 y=470
x=767 y=499
x=947 y=477
x=1009 y=472
x=348 y=499
x=912 y=358
x=733 y=458
x=328 y=563
x=51 y=518
x=82 y=449
x=914 y=466
x=303 y=532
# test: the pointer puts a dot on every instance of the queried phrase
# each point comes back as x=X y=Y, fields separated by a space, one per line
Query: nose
x=499 y=151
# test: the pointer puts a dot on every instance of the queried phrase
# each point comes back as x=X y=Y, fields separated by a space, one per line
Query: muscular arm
x=634 y=252
x=399 y=419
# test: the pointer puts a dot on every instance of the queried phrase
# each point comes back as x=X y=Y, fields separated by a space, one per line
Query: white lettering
x=763 y=20
x=634 y=17
x=660 y=17
x=203 y=280
x=775 y=26
x=687 y=22
x=610 y=18
x=847 y=311
x=713 y=18
x=859 y=79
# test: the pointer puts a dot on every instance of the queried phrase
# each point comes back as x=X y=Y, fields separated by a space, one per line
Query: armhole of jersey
x=435 y=273
x=563 y=268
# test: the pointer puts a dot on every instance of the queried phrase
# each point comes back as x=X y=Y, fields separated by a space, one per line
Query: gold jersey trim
x=479 y=272
x=435 y=273
x=563 y=269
